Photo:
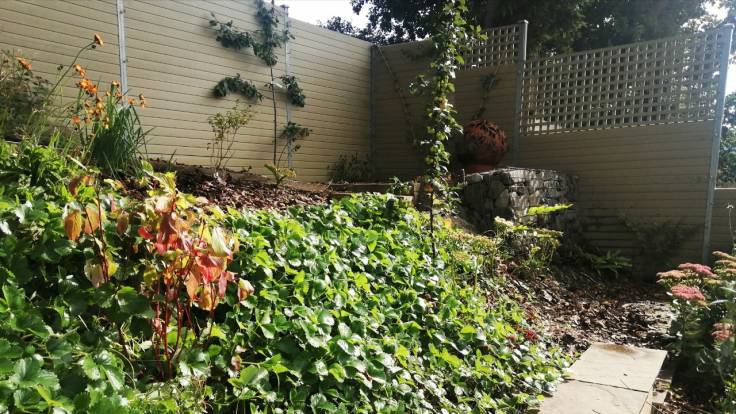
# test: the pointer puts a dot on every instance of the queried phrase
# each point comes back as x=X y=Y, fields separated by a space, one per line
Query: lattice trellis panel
x=662 y=81
x=500 y=48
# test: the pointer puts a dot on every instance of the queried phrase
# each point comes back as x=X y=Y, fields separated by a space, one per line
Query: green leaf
x=133 y=303
x=337 y=371
x=251 y=376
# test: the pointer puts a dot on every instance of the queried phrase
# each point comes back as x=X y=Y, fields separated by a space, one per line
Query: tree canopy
x=727 y=158
x=555 y=26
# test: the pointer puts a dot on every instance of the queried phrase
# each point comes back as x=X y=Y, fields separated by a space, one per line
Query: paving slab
x=577 y=397
x=620 y=366
x=608 y=379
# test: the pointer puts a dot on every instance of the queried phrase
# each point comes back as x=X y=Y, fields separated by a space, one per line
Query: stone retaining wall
x=509 y=192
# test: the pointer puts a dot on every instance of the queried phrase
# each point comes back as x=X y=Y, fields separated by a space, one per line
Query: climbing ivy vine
x=264 y=43
x=449 y=43
x=293 y=91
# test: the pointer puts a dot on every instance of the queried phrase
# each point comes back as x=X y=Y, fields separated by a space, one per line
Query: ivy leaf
x=28 y=373
x=250 y=377
x=338 y=372
x=133 y=303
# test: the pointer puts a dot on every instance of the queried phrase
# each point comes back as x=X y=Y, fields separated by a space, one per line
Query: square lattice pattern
x=662 y=81
x=500 y=48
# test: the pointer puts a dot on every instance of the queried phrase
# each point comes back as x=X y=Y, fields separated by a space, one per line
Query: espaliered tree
x=264 y=43
x=449 y=42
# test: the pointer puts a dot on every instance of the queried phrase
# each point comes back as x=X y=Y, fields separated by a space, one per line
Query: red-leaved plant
x=182 y=255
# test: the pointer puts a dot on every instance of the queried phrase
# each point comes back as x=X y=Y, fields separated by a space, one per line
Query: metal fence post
x=520 y=63
x=287 y=72
x=727 y=33
x=123 y=59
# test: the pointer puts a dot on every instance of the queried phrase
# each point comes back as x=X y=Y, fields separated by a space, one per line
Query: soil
x=576 y=309
x=245 y=190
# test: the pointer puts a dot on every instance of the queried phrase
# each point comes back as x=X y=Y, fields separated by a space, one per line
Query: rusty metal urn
x=482 y=146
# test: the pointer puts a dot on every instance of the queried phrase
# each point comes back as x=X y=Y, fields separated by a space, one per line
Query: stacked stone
x=509 y=192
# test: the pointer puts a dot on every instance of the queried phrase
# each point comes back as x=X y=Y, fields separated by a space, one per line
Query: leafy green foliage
x=612 y=262
x=115 y=142
x=225 y=128
x=530 y=250
x=448 y=44
x=354 y=315
x=235 y=84
x=554 y=26
x=545 y=209
x=350 y=313
x=280 y=173
x=293 y=91
x=727 y=154
x=269 y=39
x=230 y=37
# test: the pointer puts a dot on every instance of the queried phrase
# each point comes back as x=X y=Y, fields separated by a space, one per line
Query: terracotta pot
x=482 y=146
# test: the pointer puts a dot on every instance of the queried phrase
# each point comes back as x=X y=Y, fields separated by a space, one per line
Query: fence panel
x=657 y=82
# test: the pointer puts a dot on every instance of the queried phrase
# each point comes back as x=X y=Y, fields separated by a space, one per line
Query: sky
x=319 y=11
x=316 y=11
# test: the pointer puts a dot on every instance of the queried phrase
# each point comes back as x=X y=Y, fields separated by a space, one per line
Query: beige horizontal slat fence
x=174 y=59
x=399 y=115
x=639 y=125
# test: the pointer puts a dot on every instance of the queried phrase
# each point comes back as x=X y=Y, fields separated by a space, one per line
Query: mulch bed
x=576 y=309
x=241 y=189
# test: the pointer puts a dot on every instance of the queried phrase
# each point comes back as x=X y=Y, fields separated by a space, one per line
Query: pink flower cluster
x=671 y=275
x=687 y=293
x=699 y=269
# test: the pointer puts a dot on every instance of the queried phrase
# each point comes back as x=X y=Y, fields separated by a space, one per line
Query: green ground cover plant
x=170 y=304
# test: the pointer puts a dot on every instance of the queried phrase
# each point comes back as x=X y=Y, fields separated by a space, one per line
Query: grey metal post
x=520 y=63
x=287 y=72
x=120 y=8
x=727 y=32
x=371 y=109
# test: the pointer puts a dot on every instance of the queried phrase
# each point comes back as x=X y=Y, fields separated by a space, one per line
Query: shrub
x=225 y=128
x=704 y=301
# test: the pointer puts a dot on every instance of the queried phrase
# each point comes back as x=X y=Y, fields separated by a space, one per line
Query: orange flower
x=80 y=70
x=23 y=62
x=108 y=94
x=143 y=104
x=98 y=40
x=141 y=97
x=115 y=84
x=131 y=101
x=76 y=120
